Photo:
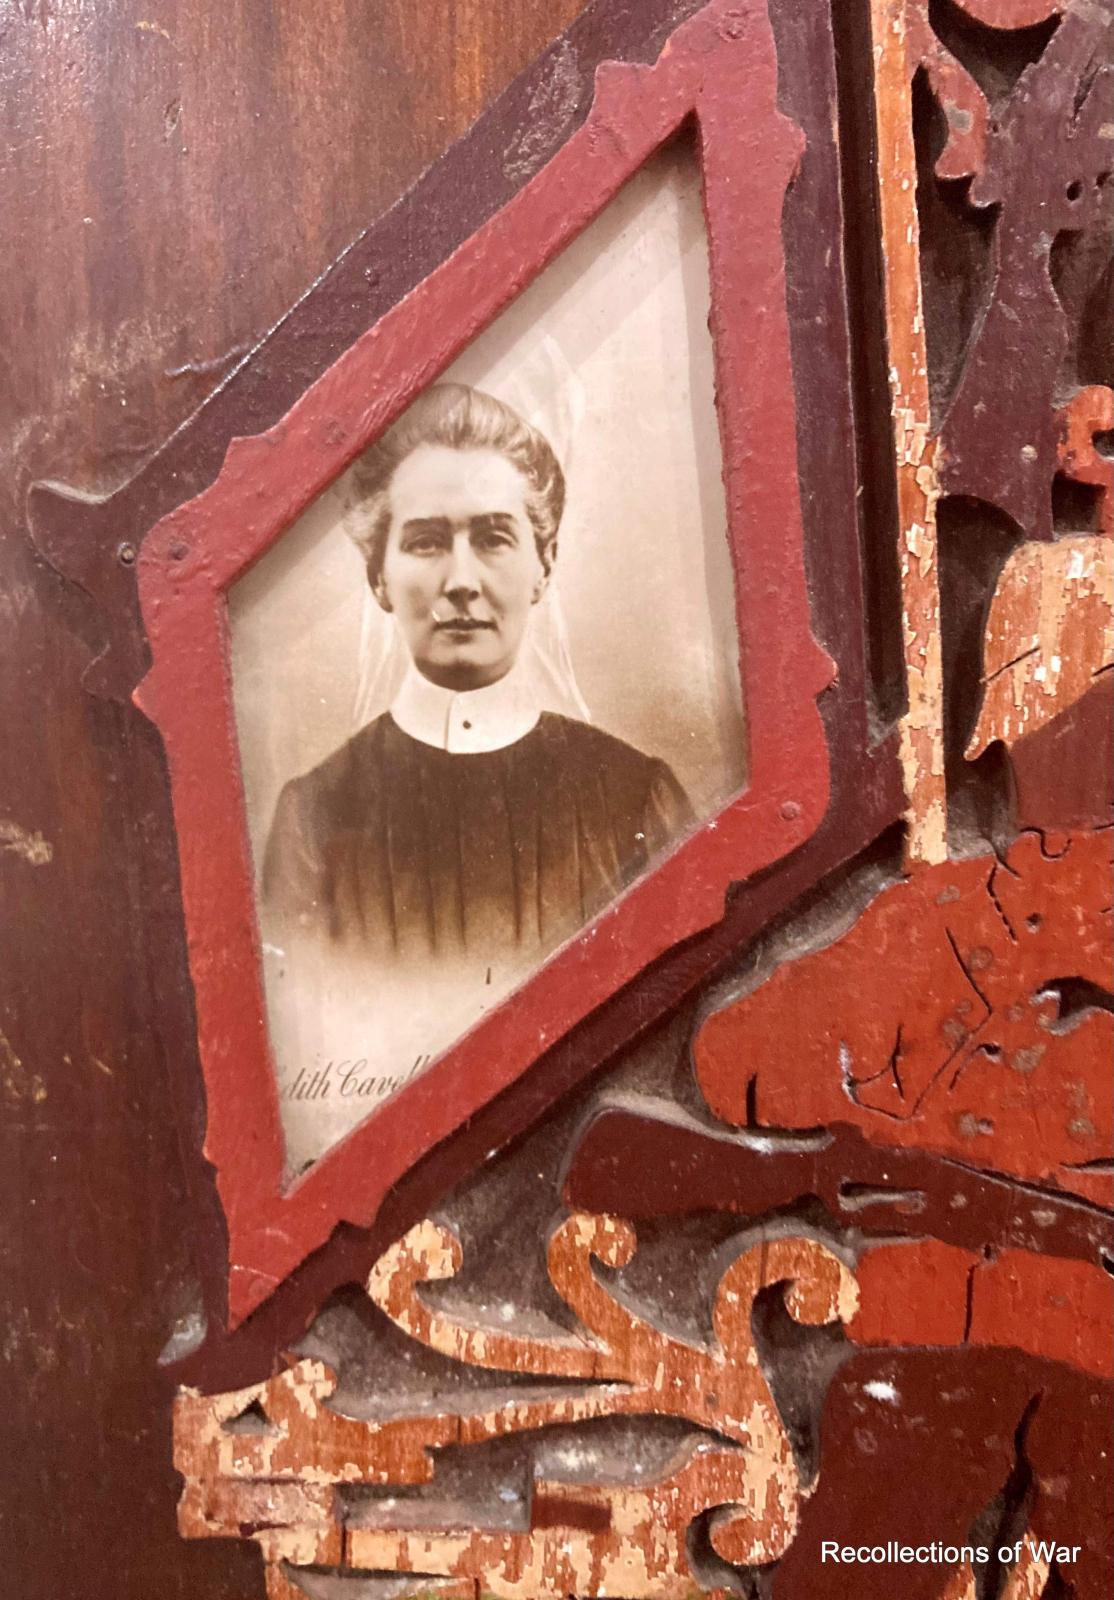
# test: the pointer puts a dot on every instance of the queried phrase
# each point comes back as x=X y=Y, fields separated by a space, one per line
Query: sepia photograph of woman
x=465 y=820
x=489 y=679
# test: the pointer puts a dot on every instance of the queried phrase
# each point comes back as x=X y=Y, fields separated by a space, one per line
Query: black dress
x=406 y=851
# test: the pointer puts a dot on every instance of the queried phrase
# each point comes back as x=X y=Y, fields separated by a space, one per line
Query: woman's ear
x=375 y=549
x=547 y=555
x=379 y=590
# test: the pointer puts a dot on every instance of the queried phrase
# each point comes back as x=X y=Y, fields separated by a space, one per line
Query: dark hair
x=462 y=418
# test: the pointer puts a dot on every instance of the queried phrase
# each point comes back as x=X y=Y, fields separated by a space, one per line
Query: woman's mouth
x=461 y=624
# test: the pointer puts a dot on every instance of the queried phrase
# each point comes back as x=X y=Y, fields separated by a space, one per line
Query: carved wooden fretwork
x=276 y=1479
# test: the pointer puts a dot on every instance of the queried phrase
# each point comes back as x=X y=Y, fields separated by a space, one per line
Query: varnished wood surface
x=174 y=176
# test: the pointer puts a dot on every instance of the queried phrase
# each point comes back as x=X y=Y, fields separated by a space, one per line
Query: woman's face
x=460 y=566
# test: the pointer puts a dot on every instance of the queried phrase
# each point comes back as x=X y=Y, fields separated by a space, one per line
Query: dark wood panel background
x=175 y=175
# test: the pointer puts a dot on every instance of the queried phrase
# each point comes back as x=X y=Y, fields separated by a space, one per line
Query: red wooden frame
x=718 y=70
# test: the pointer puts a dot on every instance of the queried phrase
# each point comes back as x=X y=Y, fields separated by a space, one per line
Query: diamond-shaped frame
x=718 y=72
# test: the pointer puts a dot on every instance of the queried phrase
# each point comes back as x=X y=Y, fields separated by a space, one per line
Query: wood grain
x=174 y=177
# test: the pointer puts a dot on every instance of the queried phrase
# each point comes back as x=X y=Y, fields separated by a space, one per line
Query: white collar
x=468 y=722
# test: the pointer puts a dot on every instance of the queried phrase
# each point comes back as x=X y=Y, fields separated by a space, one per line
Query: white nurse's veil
x=542 y=387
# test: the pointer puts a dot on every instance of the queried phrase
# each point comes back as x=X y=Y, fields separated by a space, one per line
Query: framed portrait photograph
x=487 y=671
x=490 y=678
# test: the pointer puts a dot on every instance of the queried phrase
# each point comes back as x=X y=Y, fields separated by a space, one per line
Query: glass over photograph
x=491 y=677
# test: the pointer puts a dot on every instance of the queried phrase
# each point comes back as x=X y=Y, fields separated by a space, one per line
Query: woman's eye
x=492 y=539
x=422 y=545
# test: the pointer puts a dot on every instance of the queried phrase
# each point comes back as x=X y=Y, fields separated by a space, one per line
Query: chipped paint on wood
x=1025 y=1579
x=302 y=1438
x=939 y=1022
x=717 y=1388
x=639 y=1552
x=961 y=1584
x=634 y=1542
x=896 y=54
x=1029 y=1575
x=1049 y=635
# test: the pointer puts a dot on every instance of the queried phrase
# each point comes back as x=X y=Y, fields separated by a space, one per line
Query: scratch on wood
x=964 y=958
x=927 y=1292
x=154 y=27
x=17 y=1082
x=213 y=364
x=32 y=847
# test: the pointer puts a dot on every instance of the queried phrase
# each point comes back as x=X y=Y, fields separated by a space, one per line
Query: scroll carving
x=278 y=1477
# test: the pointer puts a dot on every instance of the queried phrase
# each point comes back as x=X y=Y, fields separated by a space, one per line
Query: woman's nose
x=462 y=572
